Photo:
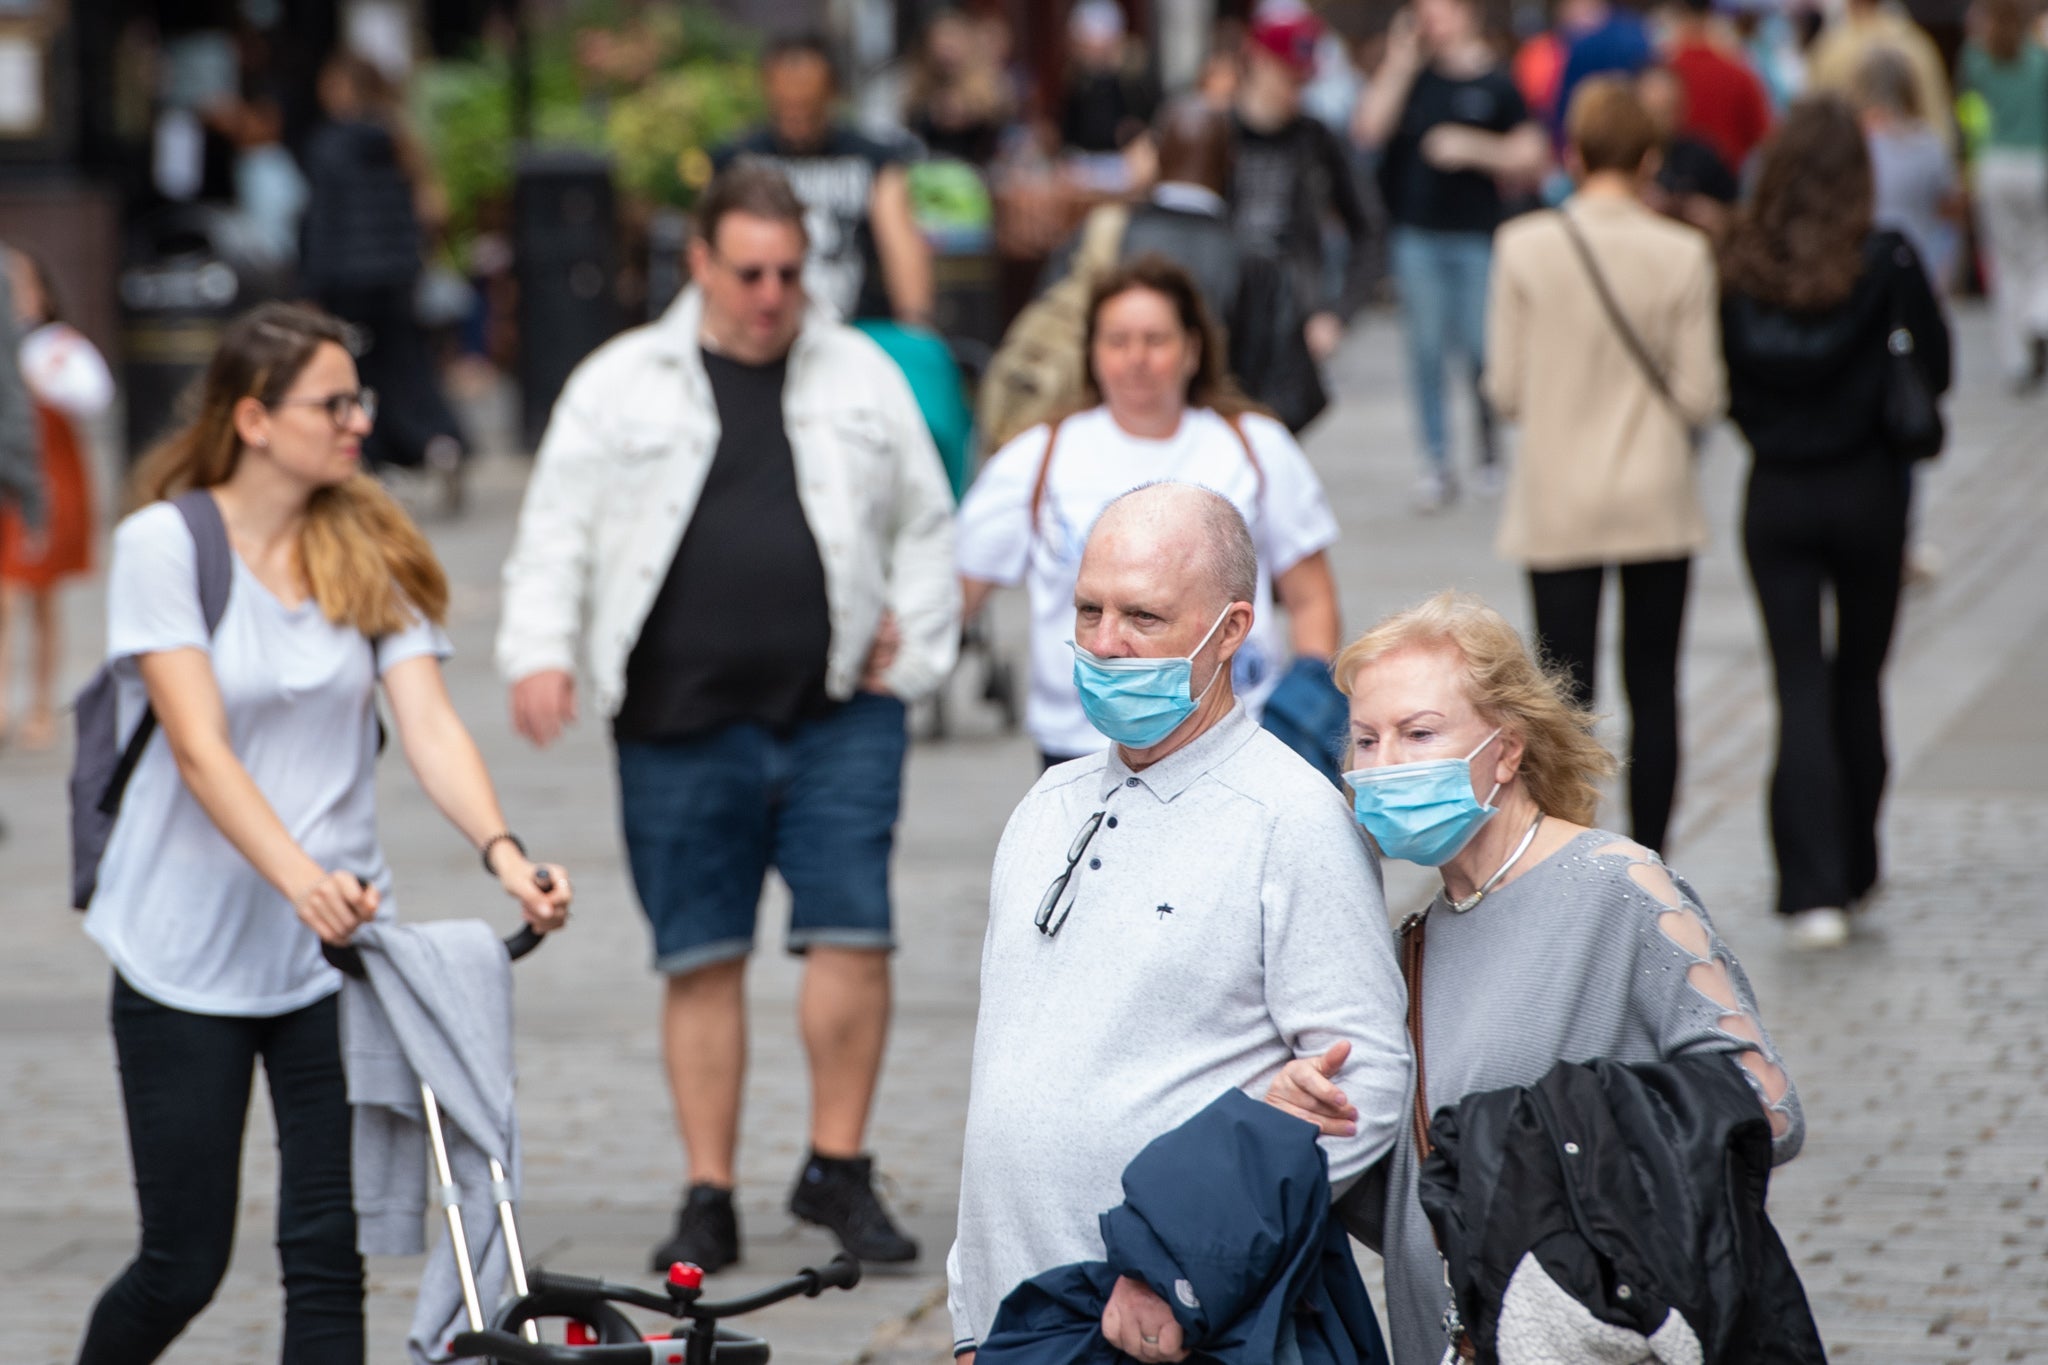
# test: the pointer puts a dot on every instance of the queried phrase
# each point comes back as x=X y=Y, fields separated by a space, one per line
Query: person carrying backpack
x=249 y=623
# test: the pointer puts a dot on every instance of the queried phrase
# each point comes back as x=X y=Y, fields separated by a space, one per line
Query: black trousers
x=1567 y=605
x=185 y=1081
x=1833 y=532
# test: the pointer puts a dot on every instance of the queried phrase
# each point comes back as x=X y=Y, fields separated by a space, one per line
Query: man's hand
x=1304 y=1089
x=542 y=704
x=1137 y=1322
x=881 y=655
x=1321 y=333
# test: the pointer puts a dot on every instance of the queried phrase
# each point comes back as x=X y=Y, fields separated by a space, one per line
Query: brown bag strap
x=1236 y=421
x=1411 y=971
x=1052 y=438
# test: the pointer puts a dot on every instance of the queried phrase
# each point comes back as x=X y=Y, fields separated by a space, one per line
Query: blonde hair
x=1562 y=763
x=365 y=561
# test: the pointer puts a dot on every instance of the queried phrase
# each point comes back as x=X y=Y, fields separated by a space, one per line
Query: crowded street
x=1917 y=1214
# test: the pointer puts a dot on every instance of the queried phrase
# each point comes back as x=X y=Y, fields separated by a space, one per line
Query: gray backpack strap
x=214 y=561
x=215 y=558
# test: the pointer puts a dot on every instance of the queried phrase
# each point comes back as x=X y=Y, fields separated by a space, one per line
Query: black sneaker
x=839 y=1196
x=707 y=1232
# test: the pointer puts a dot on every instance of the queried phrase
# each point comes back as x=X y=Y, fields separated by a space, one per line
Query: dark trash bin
x=187 y=271
x=565 y=257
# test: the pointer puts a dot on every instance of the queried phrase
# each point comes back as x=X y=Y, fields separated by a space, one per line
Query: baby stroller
x=586 y=1311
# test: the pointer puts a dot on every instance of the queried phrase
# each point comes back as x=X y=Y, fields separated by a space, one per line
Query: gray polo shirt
x=1226 y=918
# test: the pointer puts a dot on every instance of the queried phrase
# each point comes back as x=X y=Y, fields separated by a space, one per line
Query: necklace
x=1460 y=907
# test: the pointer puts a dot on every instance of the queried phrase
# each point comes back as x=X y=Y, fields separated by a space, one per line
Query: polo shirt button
x=1095 y=864
x=1130 y=782
x=1112 y=822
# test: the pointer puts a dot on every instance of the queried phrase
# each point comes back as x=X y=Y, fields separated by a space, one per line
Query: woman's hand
x=1137 y=1322
x=546 y=910
x=333 y=906
x=1304 y=1089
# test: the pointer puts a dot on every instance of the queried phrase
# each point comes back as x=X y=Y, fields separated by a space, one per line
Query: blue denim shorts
x=706 y=817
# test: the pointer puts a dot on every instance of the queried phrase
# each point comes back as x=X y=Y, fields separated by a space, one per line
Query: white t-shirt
x=1097 y=462
x=184 y=916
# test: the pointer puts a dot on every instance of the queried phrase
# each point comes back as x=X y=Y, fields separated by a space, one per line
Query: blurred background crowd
x=487 y=189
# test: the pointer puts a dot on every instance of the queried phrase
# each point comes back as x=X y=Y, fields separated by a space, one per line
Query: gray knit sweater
x=1583 y=956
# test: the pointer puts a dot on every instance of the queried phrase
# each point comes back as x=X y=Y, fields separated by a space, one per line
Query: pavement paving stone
x=1917 y=1213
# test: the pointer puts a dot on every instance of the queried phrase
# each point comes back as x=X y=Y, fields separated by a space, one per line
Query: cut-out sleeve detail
x=1710 y=1006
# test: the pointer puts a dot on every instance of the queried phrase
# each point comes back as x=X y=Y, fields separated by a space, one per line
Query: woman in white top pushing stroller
x=247 y=834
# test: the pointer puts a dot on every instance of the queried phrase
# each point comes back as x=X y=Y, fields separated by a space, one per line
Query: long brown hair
x=1212 y=385
x=1798 y=243
x=365 y=562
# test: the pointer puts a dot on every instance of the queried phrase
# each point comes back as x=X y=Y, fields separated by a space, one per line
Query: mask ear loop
x=1488 y=802
x=1220 y=664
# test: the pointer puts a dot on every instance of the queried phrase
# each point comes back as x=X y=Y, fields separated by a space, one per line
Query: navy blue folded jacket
x=1226 y=1218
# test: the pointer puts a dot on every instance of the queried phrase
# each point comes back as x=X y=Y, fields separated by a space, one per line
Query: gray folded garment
x=436 y=1007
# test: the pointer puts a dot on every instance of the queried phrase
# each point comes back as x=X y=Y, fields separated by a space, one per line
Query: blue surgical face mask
x=1139 y=702
x=1421 y=812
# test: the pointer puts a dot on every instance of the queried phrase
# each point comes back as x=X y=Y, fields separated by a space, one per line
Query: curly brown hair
x=1798 y=243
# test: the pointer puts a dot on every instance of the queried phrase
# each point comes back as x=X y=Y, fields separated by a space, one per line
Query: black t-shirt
x=1106 y=109
x=836 y=182
x=740 y=628
x=1285 y=184
x=1419 y=195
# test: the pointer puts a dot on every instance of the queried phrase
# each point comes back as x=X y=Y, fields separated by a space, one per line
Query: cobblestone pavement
x=1918 y=1211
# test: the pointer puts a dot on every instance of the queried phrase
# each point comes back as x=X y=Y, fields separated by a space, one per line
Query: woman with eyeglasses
x=1551 y=940
x=247 y=835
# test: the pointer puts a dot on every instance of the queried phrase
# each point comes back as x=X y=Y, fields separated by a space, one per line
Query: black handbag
x=1913 y=425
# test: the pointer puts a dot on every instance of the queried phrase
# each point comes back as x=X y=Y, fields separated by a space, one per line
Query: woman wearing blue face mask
x=1552 y=940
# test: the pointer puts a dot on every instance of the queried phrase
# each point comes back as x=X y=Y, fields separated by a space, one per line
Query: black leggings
x=185 y=1081
x=1832 y=532
x=1567 y=603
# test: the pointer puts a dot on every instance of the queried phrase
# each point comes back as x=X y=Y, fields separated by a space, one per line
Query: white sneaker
x=1819 y=928
x=1434 y=492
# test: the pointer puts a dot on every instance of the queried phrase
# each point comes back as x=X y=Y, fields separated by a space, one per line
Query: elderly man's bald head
x=1200 y=529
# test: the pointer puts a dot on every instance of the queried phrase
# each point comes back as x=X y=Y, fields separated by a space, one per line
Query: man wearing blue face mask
x=1184 y=913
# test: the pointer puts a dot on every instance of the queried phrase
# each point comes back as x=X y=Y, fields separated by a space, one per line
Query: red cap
x=1291 y=37
x=686 y=1275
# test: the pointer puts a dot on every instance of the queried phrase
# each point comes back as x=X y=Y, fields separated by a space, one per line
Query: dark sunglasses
x=751 y=275
x=1047 y=925
x=341 y=407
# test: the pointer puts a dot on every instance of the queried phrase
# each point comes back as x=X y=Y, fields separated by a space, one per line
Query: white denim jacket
x=619 y=471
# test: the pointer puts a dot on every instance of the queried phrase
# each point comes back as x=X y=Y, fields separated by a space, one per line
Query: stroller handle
x=348 y=960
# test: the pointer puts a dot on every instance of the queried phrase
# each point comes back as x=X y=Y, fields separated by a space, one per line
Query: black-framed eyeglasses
x=341 y=407
x=751 y=275
x=1047 y=925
